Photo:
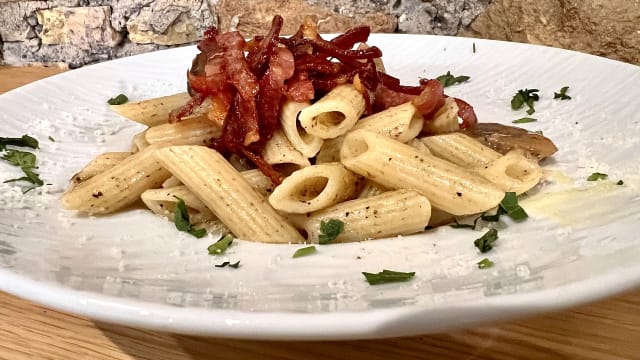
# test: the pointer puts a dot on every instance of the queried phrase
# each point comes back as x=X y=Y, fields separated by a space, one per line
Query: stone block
x=610 y=29
x=169 y=22
x=254 y=17
x=84 y=27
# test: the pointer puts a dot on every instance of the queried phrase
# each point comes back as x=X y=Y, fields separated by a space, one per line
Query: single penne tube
x=307 y=144
x=118 y=186
x=258 y=181
x=314 y=187
x=400 y=166
x=445 y=120
x=397 y=212
x=371 y=188
x=460 y=149
x=334 y=114
x=171 y=182
x=330 y=151
x=512 y=172
x=152 y=112
x=191 y=131
x=139 y=142
x=402 y=122
x=163 y=202
x=278 y=150
x=420 y=146
x=440 y=217
x=227 y=194
x=101 y=163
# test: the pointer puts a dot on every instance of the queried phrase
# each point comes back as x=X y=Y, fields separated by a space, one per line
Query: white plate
x=136 y=269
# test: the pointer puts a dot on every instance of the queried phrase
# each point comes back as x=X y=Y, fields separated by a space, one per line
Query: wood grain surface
x=609 y=329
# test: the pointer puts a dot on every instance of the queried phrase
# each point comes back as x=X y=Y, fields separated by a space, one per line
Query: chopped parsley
x=524 y=120
x=484 y=263
x=509 y=205
x=525 y=97
x=118 y=100
x=620 y=182
x=24 y=141
x=387 y=276
x=51 y=139
x=448 y=79
x=25 y=160
x=329 y=230
x=235 y=265
x=597 y=176
x=485 y=242
x=221 y=245
x=474 y=48
x=562 y=95
x=305 y=251
x=181 y=220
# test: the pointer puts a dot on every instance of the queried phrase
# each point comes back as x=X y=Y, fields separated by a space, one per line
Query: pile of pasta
x=374 y=173
x=336 y=158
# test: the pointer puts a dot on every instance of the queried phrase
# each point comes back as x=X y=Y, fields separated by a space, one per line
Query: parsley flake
x=51 y=138
x=181 y=220
x=24 y=141
x=620 y=182
x=474 y=48
x=485 y=242
x=448 y=79
x=509 y=205
x=118 y=100
x=562 y=95
x=221 y=245
x=235 y=265
x=484 y=263
x=524 y=120
x=597 y=176
x=329 y=230
x=305 y=251
x=525 y=97
x=387 y=276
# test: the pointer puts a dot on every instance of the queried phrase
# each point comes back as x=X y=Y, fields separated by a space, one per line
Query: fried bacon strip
x=301 y=68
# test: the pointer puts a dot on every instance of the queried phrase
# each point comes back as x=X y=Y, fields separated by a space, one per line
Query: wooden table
x=609 y=329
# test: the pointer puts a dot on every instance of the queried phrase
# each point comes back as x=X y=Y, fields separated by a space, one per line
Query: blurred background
x=73 y=33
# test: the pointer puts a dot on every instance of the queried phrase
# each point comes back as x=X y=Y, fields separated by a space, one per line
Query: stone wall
x=78 y=32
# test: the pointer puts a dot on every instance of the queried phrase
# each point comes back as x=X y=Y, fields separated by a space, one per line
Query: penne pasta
x=163 y=202
x=402 y=122
x=396 y=165
x=101 y=163
x=258 y=181
x=279 y=150
x=445 y=120
x=227 y=194
x=513 y=172
x=151 y=112
x=171 y=182
x=398 y=212
x=314 y=187
x=139 y=142
x=334 y=114
x=307 y=144
x=190 y=131
x=371 y=188
x=420 y=146
x=460 y=149
x=118 y=186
